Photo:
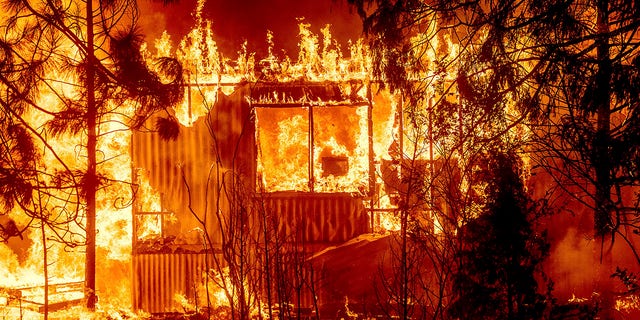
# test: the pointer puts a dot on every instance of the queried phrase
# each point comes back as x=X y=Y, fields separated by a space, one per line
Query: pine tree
x=499 y=264
x=93 y=50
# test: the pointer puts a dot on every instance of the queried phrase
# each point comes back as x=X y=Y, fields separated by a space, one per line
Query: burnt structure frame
x=310 y=105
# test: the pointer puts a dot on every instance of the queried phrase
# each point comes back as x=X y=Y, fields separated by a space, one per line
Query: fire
x=628 y=303
x=341 y=134
x=310 y=145
x=340 y=154
x=23 y=266
x=66 y=266
x=214 y=296
x=283 y=132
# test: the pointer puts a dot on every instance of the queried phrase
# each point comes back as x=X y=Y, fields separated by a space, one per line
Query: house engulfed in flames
x=274 y=163
x=266 y=171
x=297 y=160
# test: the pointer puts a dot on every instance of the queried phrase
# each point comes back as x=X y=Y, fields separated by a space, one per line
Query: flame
x=628 y=303
x=328 y=63
x=389 y=221
x=342 y=132
x=203 y=62
x=283 y=137
x=113 y=234
x=214 y=296
x=66 y=264
x=339 y=158
x=283 y=132
x=347 y=310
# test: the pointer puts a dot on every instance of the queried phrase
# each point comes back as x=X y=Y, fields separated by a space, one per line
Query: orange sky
x=237 y=20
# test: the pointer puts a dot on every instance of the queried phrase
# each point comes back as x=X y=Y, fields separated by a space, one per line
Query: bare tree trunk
x=90 y=184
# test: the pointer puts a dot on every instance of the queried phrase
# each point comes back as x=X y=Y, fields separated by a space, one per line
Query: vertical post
x=400 y=115
x=311 y=173
x=90 y=183
x=45 y=264
x=431 y=166
x=134 y=227
x=134 y=184
x=372 y=168
x=189 y=98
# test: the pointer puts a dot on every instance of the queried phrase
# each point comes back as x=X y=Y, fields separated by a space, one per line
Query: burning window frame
x=315 y=98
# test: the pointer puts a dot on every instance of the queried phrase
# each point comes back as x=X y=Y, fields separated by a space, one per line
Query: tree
x=501 y=256
x=571 y=66
x=448 y=124
x=44 y=198
x=597 y=119
x=561 y=65
x=84 y=57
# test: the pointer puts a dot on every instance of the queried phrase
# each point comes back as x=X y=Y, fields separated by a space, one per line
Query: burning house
x=278 y=192
x=291 y=166
x=274 y=165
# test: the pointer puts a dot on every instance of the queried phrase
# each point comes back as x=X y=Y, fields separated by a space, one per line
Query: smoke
x=175 y=18
x=572 y=264
x=234 y=22
x=576 y=262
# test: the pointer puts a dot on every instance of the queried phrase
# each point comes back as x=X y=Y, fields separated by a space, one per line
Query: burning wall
x=185 y=174
x=191 y=195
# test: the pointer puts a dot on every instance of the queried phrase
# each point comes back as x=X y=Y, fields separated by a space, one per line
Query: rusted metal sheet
x=319 y=217
x=158 y=278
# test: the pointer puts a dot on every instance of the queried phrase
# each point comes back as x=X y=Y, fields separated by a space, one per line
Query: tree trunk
x=90 y=183
x=404 y=272
x=603 y=222
x=602 y=100
x=45 y=271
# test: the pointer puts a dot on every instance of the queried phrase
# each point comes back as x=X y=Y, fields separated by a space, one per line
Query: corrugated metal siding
x=194 y=153
x=157 y=278
x=316 y=219
x=321 y=218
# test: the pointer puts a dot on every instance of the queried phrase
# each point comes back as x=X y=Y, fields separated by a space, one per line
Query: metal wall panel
x=193 y=155
x=319 y=218
x=157 y=278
